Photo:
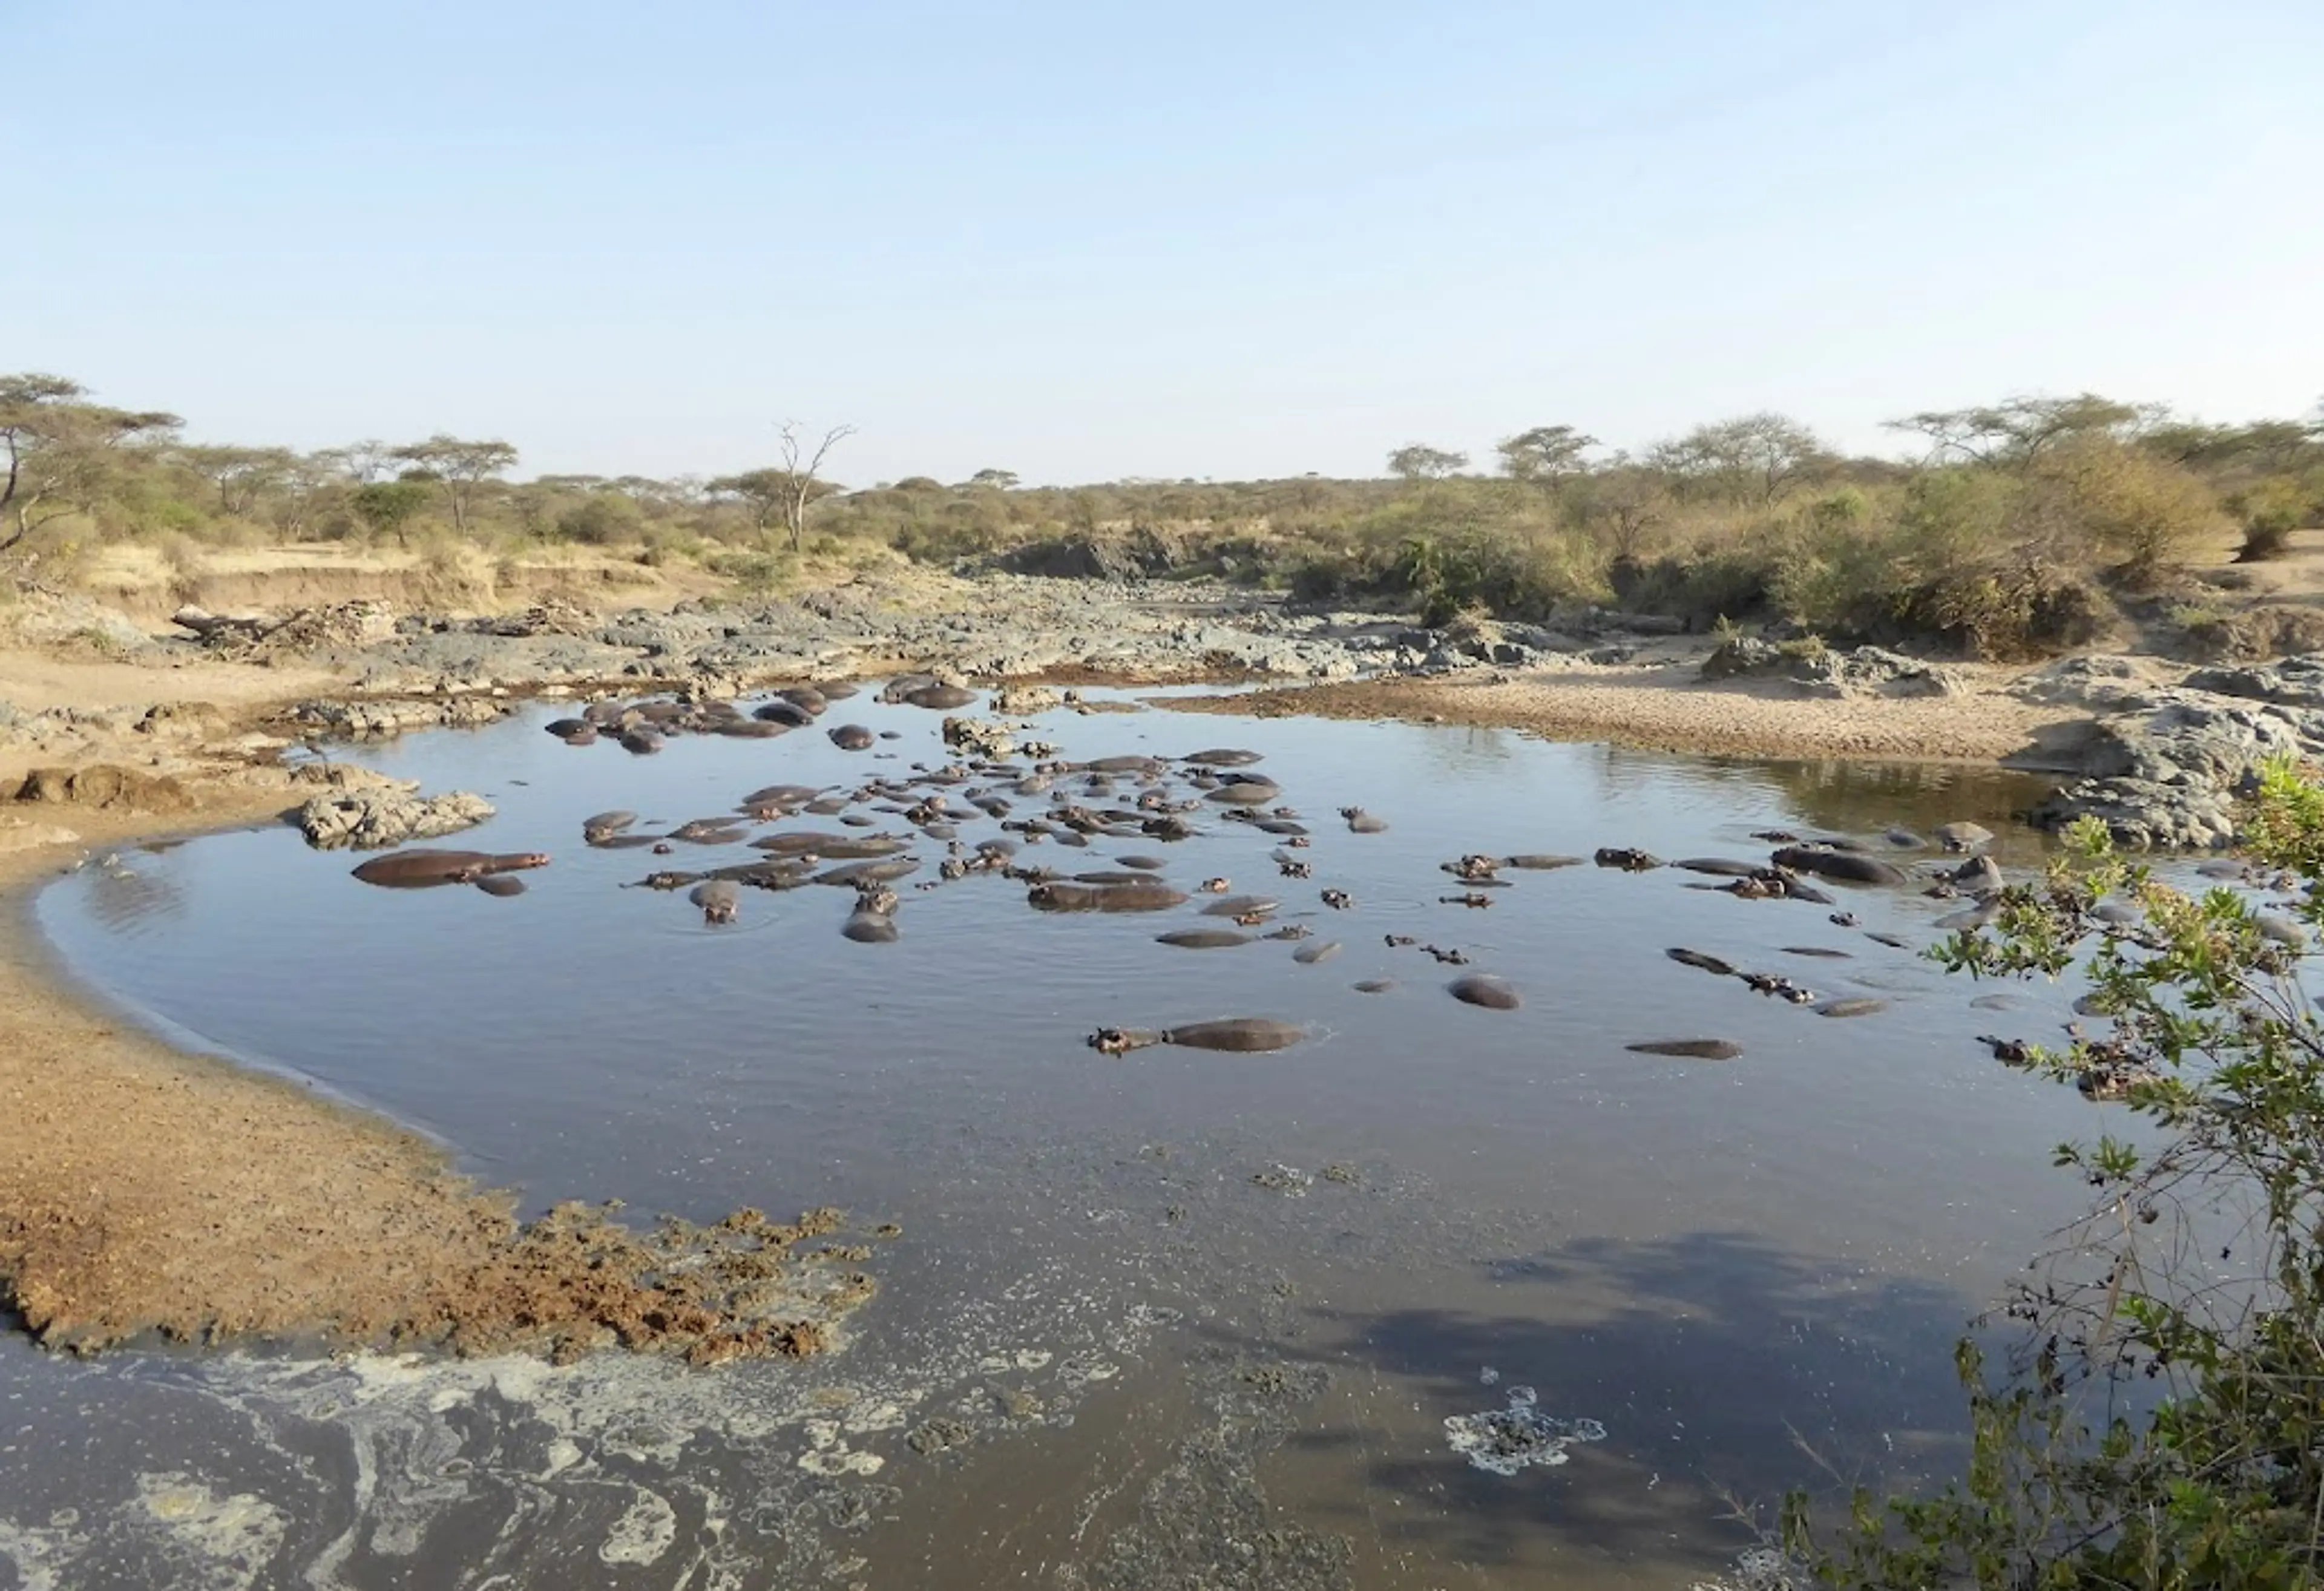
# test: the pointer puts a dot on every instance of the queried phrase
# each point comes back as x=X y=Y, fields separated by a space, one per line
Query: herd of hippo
x=1143 y=805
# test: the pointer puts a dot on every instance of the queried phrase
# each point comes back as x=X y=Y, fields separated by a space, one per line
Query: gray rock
x=369 y=818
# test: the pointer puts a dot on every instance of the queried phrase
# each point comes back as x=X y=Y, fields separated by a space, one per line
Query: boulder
x=372 y=817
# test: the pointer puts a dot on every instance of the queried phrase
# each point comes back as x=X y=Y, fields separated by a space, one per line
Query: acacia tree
x=761 y=492
x=240 y=474
x=1417 y=461
x=998 y=480
x=2016 y=431
x=458 y=466
x=1749 y=459
x=60 y=450
x=789 y=488
x=1545 y=455
x=389 y=506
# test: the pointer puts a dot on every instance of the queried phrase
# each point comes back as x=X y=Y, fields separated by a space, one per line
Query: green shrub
x=2216 y=1477
x=2270 y=511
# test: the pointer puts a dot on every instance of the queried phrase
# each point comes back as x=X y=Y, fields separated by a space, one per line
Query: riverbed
x=1438 y=1295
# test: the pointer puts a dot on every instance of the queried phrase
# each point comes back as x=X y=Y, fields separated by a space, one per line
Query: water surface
x=1260 y=1282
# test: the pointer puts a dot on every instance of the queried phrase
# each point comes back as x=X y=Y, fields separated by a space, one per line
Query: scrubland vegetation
x=2001 y=531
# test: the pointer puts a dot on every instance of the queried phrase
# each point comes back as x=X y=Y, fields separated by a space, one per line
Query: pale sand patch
x=1666 y=708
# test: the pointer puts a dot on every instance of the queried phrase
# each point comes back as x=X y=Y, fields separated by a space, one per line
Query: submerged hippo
x=852 y=737
x=1849 y=866
x=1360 y=822
x=1534 y=861
x=719 y=899
x=605 y=825
x=1309 y=955
x=1694 y=958
x=1693 y=1049
x=1222 y=756
x=1245 y=1034
x=420 y=869
x=501 y=886
x=1203 y=938
x=808 y=698
x=1242 y=905
x=1482 y=989
x=1104 y=897
x=782 y=711
x=941 y=698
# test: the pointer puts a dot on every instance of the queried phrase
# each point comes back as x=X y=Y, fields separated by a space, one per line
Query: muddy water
x=1152 y=1317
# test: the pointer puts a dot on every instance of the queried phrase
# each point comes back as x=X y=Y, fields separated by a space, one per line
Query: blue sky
x=1087 y=241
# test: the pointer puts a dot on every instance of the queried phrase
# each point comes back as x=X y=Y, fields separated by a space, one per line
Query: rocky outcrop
x=369 y=817
x=260 y=637
x=2169 y=766
x=104 y=785
x=1821 y=671
x=377 y=719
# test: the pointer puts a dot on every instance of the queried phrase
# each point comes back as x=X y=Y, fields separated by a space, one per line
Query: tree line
x=1995 y=526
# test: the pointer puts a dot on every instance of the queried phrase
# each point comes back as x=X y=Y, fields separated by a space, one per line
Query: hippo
x=782 y=711
x=1223 y=757
x=1241 y=905
x=1695 y=1049
x=780 y=796
x=718 y=830
x=1243 y=1034
x=566 y=729
x=1482 y=989
x=749 y=729
x=1718 y=867
x=878 y=871
x=1144 y=864
x=1094 y=897
x=1309 y=955
x=1246 y=792
x=1360 y=822
x=1694 y=958
x=640 y=742
x=1203 y=938
x=1135 y=879
x=1628 y=859
x=1846 y=866
x=1374 y=986
x=939 y=698
x=1904 y=839
x=807 y=698
x=1963 y=835
x=1121 y=765
x=605 y=825
x=1815 y=949
x=1980 y=872
x=719 y=899
x=1851 y=1007
x=1534 y=861
x=867 y=927
x=851 y=737
x=420 y=869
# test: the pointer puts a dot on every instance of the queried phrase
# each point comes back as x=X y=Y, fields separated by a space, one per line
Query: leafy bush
x=2270 y=512
x=2196 y=1272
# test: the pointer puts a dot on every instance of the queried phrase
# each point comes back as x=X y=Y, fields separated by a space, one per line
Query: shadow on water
x=1724 y=1369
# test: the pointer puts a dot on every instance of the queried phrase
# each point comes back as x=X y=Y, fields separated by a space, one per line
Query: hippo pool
x=1440 y=1294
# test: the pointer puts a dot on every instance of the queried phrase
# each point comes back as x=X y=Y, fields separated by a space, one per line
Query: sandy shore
x=1666 y=708
x=142 y=1190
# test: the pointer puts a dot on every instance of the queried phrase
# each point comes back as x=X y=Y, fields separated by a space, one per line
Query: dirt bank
x=1666 y=708
x=142 y=1190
